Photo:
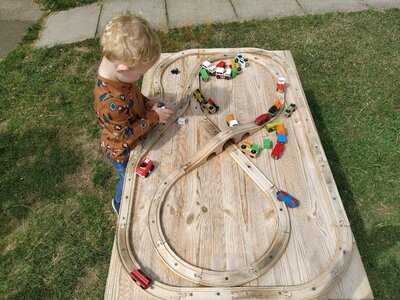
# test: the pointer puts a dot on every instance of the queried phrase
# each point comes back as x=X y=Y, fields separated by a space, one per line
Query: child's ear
x=122 y=67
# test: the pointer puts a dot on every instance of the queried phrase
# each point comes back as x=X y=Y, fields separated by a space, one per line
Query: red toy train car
x=221 y=64
x=140 y=278
x=278 y=150
x=263 y=118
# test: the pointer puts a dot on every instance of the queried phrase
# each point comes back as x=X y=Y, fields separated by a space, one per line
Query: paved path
x=86 y=22
x=15 y=17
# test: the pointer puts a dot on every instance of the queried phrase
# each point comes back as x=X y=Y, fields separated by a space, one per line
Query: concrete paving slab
x=383 y=4
x=70 y=26
x=19 y=10
x=11 y=33
x=152 y=10
x=319 y=6
x=192 y=12
x=261 y=9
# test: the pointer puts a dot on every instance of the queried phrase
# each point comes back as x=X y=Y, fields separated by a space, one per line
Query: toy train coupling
x=288 y=199
x=140 y=278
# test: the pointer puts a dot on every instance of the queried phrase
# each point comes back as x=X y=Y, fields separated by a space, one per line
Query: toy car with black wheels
x=210 y=106
x=209 y=67
x=223 y=73
x=242 y=61
x=230 y=120
x=228 y=73
x=245 y=147
x=234 y=71
x=248 y=149
x=236 y=65
x=199 y=96
x=144 y=168
x=289 y=109
x=219 y=72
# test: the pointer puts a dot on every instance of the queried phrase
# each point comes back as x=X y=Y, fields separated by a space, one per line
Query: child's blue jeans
x=120 y=168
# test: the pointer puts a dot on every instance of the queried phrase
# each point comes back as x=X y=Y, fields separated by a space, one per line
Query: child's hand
x=163 y=113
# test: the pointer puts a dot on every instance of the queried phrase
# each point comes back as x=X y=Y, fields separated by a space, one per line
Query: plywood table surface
x=217 y=218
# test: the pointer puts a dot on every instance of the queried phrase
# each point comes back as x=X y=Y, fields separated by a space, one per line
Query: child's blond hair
x=130 y=40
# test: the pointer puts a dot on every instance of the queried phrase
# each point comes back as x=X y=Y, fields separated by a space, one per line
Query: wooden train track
x=201 y=275
x=312 y=289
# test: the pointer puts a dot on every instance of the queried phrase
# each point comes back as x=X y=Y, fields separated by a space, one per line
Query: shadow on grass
x=55 y=241
x=371 y=243
x=34 y=166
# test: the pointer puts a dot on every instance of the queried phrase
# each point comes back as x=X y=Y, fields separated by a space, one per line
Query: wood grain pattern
x=216 y=217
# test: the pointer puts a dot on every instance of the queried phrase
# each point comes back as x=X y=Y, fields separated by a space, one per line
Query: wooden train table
x=206 y=223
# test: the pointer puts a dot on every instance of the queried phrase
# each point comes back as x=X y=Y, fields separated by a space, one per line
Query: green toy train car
x=203 y=74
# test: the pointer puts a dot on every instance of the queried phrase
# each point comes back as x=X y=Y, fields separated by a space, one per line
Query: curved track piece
x=204 y=276
x=312 y=289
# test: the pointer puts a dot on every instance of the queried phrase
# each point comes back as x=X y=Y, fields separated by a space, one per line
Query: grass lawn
x=55 y=5
x=56 y=223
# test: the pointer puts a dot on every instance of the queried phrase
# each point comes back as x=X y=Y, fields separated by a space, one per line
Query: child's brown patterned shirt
x=124 y=115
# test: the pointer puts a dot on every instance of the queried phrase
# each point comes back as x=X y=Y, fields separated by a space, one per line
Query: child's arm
x=163 y=113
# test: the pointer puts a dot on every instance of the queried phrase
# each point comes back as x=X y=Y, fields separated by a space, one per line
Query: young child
x=129 y=47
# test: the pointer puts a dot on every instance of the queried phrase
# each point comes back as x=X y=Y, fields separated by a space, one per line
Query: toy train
x=209 y=67
x=288 y=199
x=289 y=109
x=263 y=118
x=204 y=75
x=222 y=70
x=241 y=61
x=230 y=120
x=205 y=105
x=140 y=278
x=277 y=151
x=281 y=84
x=281 y=138
x=225 y=71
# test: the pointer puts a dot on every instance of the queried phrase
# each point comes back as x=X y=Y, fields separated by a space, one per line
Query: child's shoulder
x=105 y=90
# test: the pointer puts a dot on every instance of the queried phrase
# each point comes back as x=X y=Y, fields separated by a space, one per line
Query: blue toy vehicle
x=281 y=138
x=289 y=200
